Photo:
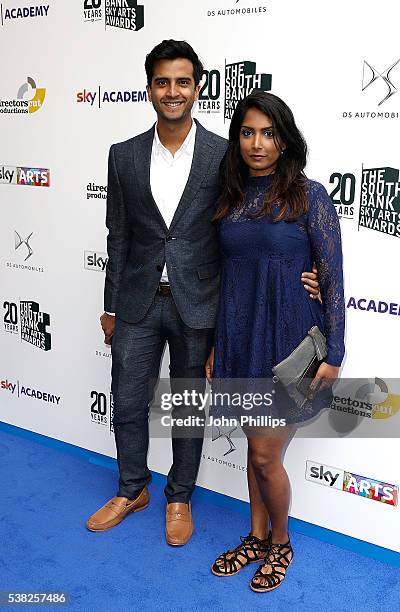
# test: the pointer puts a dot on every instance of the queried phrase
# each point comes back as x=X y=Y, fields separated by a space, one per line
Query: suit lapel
x=200 y=164
x=142 y=160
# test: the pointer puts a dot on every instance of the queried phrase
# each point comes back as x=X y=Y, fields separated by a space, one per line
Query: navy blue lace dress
x=264 y=311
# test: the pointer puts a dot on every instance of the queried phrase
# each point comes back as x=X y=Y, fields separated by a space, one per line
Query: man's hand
x=210 y=365
x=310 y=282
x=107 y=324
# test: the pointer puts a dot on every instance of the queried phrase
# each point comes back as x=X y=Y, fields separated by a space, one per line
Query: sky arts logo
x=17 y=389
x=23 y=104
x=95 y=261
x=336 y=478
x=28 y=322
x=240 y=78
x=125 y=14
x=20 y=175
x=22 y=12
x=99 y=97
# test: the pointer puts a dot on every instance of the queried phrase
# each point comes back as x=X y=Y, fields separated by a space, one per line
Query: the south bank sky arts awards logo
x=25 y=320
x=379 y=83
x=102 y=409
x=11 y=12
x=30 y=99
x=378 y=191
x=124 y=14
x=238 y=80
x=235 y=8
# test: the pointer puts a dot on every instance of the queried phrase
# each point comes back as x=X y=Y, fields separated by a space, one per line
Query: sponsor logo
x=343 y=193
x=125 y=14
x=236 y=9
x=28 y=322
x=19 y=241
x=18 y=389
x=372 y=399
x=378 y=86
x=342 y=480
x=218 y=432
x=23 y=246
x=18 y=175
x=94 y=191
x=374 y=305
x=99 y=96
x=102 y=409
x=22 y=104
x=22 y=12
x=380 y=200
x=95 y=261
x=240 y=78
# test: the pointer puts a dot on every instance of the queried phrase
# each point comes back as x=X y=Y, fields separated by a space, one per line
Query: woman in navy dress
x=274 y=223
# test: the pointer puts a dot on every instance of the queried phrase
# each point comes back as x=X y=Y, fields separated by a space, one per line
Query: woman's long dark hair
x=288 y=184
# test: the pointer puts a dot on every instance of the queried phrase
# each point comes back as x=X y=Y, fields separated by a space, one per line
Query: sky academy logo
x=124 y=14
x=22 y=12
x=99 y=96
x=19 y=390
x=22 y=175
x=28 y=322
x=336 y=478
x=29 y=99
x=240 y=78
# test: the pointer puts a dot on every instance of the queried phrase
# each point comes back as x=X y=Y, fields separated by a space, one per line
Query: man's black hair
x=173 y=49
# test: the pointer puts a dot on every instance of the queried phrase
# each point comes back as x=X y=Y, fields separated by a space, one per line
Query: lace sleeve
x=324 y=232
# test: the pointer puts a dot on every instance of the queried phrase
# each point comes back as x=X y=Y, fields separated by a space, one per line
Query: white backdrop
x=52 y=238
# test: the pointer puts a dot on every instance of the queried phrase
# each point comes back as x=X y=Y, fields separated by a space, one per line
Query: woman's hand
x=210 y=365
x=324 y=378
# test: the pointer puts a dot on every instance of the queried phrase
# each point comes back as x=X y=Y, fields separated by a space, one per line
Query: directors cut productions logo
x=21 y=175
x=125 y=14
x=110 y=97
x=378 y=86
x=336 y=478
x=102 y=409
x=23 y=104
x=22 y=12
x=96 y=192
x=240 y=78
x=27 y=321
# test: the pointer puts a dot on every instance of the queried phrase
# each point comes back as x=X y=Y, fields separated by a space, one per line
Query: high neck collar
x=259 y=181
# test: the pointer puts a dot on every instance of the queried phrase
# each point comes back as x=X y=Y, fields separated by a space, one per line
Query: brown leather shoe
x=115 y=510
x=179 y=523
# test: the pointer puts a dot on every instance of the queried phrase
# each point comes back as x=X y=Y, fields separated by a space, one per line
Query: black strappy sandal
x=278 y=559
x=232 y=561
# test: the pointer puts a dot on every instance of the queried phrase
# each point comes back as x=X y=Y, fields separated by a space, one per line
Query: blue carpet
x=47 y=496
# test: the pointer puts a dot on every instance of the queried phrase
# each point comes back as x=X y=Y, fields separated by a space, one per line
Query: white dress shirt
x=169 y=175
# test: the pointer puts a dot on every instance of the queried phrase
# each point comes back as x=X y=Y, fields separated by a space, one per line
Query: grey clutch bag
x=297 y=371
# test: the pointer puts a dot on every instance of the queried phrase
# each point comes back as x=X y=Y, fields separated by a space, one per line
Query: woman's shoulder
x=317 y=194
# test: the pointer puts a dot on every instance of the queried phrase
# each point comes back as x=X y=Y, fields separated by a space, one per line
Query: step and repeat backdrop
x=72 y=83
